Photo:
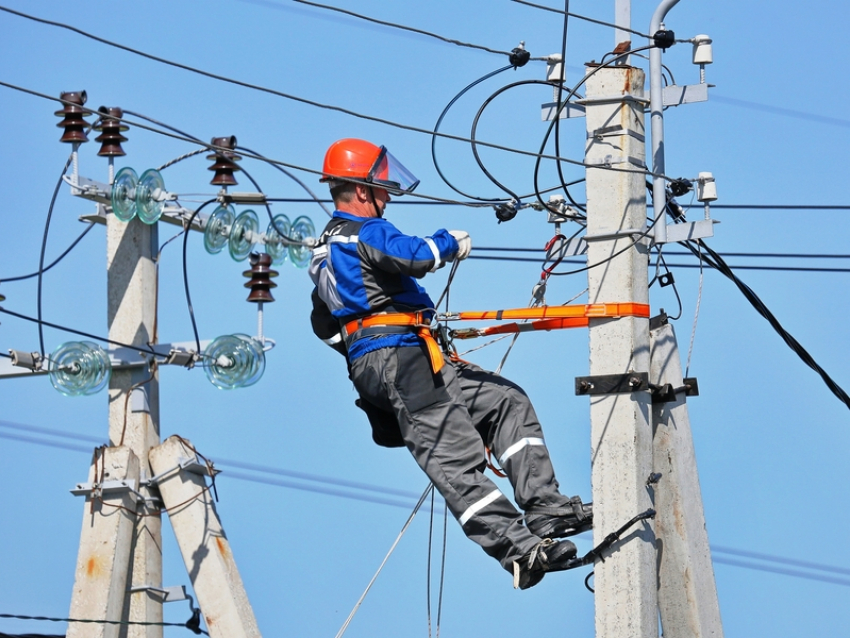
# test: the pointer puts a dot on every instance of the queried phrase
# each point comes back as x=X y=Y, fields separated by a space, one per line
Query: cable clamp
x=185 y=358
x=29 y=360
x=192 y=465
x=610 y=160
x=614 y=131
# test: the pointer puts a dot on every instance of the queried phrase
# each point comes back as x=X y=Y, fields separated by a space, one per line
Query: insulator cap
x=111 y=127
x=73 y=116
x=225 y=161
x=260 y=278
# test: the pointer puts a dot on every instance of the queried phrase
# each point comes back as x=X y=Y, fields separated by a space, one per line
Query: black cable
x=56 y=261
x=186 y=276
x=585 y=18
x=405 y=28
x=535 y=260
x=40 y=273
x=672 y=283
x=558 y=100
x=437 y=128
x=406 y=127
x=77 y=332
x=474 y=142
x=98 y=621
x=293 y=178
x=717 y=262
x=557 y=116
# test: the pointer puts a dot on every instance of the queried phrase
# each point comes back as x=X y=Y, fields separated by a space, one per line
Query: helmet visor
x=391 y=174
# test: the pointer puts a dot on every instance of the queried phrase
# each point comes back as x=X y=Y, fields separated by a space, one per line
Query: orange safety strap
x=413 y=319
x=592 y=310
x=509 y=328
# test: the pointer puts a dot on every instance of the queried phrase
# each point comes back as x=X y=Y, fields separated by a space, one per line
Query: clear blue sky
x=771 y=440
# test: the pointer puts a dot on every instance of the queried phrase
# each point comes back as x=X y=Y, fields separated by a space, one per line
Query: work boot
x=558 y=522
x=547 y=555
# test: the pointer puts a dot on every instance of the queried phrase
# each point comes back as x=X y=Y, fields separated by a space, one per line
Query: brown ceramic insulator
x=260 y=278
x=73 y=116
x=225 y=161
x=111 y=127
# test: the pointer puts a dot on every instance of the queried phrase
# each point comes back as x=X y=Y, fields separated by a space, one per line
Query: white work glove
x=464 y=244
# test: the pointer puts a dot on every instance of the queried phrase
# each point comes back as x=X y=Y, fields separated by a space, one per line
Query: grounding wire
x=437 y=128
x=55 y=261
x=714 y=548
x=717 y=262
x=403 y=27
x=293 y=178
x=696 y=317
x=40 y=273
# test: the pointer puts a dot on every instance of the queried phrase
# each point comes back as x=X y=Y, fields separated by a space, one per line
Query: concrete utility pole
x=687 y=594
x=621 y=434
x=202 y=540
x=134 y=425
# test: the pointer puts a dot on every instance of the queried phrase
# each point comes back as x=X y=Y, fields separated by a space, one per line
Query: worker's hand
x=464 y=244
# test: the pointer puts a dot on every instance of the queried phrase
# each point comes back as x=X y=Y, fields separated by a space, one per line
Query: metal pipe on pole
x=656 y=111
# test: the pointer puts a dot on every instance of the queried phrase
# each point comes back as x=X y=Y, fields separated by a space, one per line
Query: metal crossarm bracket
x=613 y=383
x=108 y=488
x=169 y=594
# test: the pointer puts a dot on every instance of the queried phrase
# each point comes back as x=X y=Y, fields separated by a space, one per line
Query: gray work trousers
x=446 y=419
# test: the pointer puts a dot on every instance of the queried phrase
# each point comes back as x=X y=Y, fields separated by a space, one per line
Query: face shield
x=389 y=173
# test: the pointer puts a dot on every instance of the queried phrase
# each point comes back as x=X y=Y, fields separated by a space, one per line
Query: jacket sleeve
x=325 y=325
x=388 y=249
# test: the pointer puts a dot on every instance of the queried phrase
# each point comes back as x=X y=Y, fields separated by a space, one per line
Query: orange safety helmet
x=361 y=160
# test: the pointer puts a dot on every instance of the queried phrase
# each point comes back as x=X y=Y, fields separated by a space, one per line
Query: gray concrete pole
x=687 y=594
x=203 y=543
x=103 y=561
x=131 y=309
x=621 y=435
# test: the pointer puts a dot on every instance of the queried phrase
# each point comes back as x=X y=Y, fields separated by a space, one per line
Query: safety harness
x=542 y=318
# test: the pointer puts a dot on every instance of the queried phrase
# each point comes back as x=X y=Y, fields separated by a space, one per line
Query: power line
x=769 y=558
x=289 y=96
x=581 y=17
x=403 y=27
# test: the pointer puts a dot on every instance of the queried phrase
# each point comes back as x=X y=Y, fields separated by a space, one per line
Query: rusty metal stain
x=222 y=546
x=93 y=567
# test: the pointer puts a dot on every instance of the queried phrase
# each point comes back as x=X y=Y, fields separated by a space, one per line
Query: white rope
x=384 y=562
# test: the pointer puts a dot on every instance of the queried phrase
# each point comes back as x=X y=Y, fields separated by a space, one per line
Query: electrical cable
x=472 y=136
x=101 y=622
x=77 y=332
x=558 y=100
x=403 y=27
x=56 y=261
x=717 y=262
x=371 y=118
x=557 y=115
x=585 y=18
x=186 y=276
x=40 y=273
x=696 y=317
x=714 y=548
x=437 y=128
x=295 y=179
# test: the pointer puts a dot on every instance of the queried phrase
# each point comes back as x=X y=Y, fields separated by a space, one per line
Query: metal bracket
x=690 y=230
x=108 y=488
x=674 y=95
x=612 y=383
x=615 y=99
x=626 y=232
x=170 y=594
x=663 y=393
x=548 y=109
x=616 y=130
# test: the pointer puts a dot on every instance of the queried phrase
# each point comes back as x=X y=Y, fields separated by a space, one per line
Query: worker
x=368 y=305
